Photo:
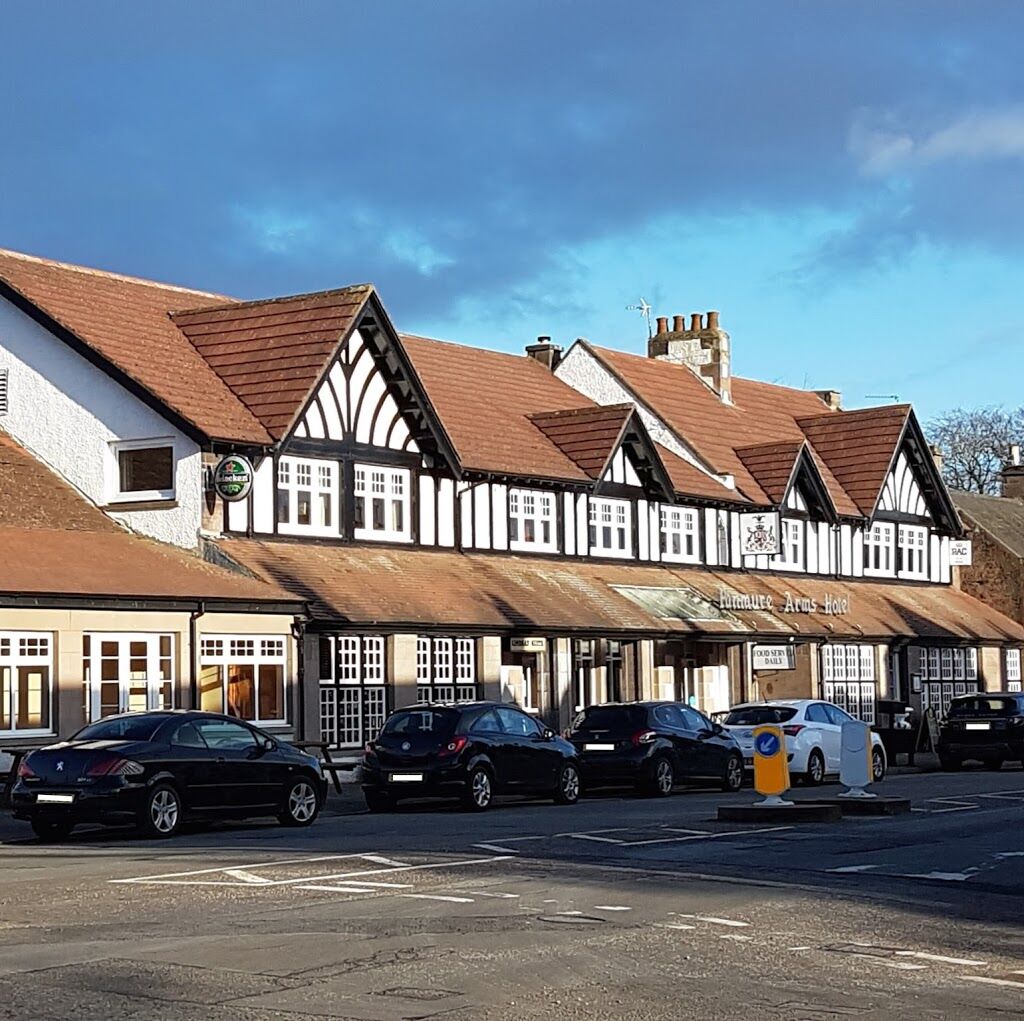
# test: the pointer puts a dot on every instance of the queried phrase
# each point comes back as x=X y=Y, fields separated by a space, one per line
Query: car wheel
x=877 y=765
x=301 y=804
x=479 y=790
x=379 y=801
x=815 y=775
x=568 y=790
x=733 y=779
x=52 y=829
x=160 y=815
x=663 y=779
x=949 y=763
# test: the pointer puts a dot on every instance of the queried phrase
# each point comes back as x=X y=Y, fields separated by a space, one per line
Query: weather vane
x=645 y=310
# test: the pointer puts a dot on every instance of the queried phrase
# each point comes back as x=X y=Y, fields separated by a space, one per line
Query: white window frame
x=16 y=656
x=880 y=550
x=317 y=477
x=446 y=669
x=227 y=650
x=793 y=534
x=849 y=676
x=366 y=477
x=532 y=510
x=114 y=492
x=1013 y=665
x=154 y=681
x=617 y=517
x=354 y=693
x=912 y=544
x=678 y=525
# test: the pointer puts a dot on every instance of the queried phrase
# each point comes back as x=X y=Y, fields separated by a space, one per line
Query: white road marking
x=735 y=936
x=254 y=865
x=946 y=877
x=897 y=965
x=338 y=889
x=854 y=868
x=714 y=920
x=611 y=907
x=922 y=955
x=486 y=893
x=247 y=877
x=495 y=847
x=437 y=896
x=673 y=925
x=793 y=950
x=591 y=836
x=381 y=860
x=992 y=981
x=571 y=914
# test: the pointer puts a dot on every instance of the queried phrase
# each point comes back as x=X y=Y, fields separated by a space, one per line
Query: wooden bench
x=327 y=764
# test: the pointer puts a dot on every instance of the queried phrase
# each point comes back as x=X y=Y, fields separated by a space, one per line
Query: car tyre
x=301 y=803
x=479 y=790
x=950 y=763
x=877 y=765
x=815 y=775
x=733 y=779
x=52 y=830
x=160 y=814
x=567 y=791
x=379 y=801
x=662 y=779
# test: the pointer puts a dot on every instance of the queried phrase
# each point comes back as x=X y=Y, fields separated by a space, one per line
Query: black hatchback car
x=653 y=746
x=986 y=727
x=154 y=769
x=468 y=751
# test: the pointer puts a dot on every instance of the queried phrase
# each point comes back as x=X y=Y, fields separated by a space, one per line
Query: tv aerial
x=645 y=310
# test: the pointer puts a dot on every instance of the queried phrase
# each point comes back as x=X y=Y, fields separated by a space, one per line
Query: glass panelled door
x=128 y=673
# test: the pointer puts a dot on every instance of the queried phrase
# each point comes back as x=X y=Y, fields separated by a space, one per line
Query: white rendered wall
x=67 y=412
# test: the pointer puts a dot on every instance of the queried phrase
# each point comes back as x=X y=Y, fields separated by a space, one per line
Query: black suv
x=988 y=727
x=469 y=751
x=652 y=745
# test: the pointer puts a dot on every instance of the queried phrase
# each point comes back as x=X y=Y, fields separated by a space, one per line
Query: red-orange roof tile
x=587 y=436
x=772 y=465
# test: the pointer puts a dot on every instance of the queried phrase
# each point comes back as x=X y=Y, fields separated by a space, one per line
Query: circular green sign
x=232 y=478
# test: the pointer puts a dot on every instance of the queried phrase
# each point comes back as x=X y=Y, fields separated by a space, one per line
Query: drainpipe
x=193 y=665
x=299 y=634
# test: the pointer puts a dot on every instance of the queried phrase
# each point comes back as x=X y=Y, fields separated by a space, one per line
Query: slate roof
x=1001 y=517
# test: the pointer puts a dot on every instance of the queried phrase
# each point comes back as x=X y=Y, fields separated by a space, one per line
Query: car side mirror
x=268 y=744
x=717 y=728
x=547 y=734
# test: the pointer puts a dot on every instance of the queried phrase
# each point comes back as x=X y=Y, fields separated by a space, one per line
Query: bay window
x=307 y=496
x=26 y=668
x=382 y=508
x=678 y=534
x=127 y=672
x=610 y=527
x=878 y=549
x=792 y=555
x=244 y=676
x=912 y=552
x=531 y=521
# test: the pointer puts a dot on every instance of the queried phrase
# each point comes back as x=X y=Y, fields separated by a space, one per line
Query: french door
x=128 y=673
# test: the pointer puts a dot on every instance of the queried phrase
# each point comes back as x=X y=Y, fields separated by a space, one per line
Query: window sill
x=161 y=503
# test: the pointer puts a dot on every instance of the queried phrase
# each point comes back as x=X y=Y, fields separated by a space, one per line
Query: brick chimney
x=704 y=348
x=1012 y=475
x=548 y=354
x=832 y=399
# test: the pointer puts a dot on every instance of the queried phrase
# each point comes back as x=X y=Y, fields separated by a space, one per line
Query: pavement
x=619 y=907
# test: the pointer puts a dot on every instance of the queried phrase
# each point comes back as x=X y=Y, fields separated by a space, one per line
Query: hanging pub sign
x=774 y=657
x=232 y=478
x=960 y=553
x=528 y=644
x=760 y=534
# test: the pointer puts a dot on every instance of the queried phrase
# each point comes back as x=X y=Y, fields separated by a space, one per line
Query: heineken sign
x=232 y=478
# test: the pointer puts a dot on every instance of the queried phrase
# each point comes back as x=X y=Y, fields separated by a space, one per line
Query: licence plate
x=976 y=726
x=407 y=778
x=599 y=747
x=55 y=799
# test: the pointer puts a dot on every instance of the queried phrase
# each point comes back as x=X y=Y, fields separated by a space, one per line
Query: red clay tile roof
x=126 y=321
x=587 y=436
x=54 y=542
x=484 y=400
x=375 y=586
x=858 y=447
x=772 y=465
x=271 y=353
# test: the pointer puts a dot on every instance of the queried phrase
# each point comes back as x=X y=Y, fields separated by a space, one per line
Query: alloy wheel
x=481 y=789
x=663 y=777
x=163 y=810
x=877 y=766
x=734 y=774
x=302 y=802
x=570 y=784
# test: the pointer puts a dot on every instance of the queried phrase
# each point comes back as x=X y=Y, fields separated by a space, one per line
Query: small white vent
x=3 y=391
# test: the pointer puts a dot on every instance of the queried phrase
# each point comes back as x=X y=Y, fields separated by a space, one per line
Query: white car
x=812 y=728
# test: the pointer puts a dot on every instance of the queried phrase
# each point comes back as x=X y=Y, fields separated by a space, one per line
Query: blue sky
x=842 y=180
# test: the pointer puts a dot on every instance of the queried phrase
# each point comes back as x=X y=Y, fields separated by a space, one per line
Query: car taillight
x=793 y=729
x=453 y=747
x=115 y=766
x=369 y=749
x=25 y=770
x=644 y=737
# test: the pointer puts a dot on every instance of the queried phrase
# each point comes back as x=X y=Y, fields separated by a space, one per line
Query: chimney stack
x=936 y=457
x=832 y=399
x=1012 y=475
x=548 y=354
x=704 y=348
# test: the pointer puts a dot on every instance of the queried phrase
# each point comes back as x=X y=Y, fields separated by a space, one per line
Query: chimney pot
x=548 y=354
x=712 y=320
x=662 y=324
x=1014 y=453
x=696 y=322
x=678 y=324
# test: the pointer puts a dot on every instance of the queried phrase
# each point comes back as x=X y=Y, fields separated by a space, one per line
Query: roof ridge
x=874 y=409
x=585 y=409
x=110 y=274
x=237 y=304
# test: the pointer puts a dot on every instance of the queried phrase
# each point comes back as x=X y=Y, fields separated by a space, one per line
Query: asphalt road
x=619 y=907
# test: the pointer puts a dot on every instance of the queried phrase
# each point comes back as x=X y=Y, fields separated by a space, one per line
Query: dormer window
x=531 y=520
x=912 y=551
x=610 y=528
x=382 y=503
x=878 y=549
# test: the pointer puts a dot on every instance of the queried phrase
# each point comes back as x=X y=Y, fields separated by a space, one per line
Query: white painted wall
x=67 y=412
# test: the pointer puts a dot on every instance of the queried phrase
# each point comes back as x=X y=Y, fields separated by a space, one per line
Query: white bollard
x=855 y=759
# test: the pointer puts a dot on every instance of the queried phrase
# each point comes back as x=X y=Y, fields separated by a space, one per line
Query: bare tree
x=975 y=444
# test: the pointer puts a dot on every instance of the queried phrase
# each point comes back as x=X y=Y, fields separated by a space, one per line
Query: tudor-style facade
x=460 y=522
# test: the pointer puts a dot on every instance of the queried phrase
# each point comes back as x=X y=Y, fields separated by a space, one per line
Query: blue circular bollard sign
x=767 y=744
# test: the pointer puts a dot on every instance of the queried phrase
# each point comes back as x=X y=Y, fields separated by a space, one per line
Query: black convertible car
x=155 y=769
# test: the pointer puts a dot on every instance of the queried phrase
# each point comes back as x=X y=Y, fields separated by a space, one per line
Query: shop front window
x=26 y=663
x=353 y=693
x=849 y=676
x=446 y=669
x=244 y=676
x=127 y=673
x=1012 y=668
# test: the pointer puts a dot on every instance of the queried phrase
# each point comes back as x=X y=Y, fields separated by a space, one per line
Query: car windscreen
x=122 y=728
x=421 y=727
x=759 y=715
x=983 y=705
x=626 y=718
